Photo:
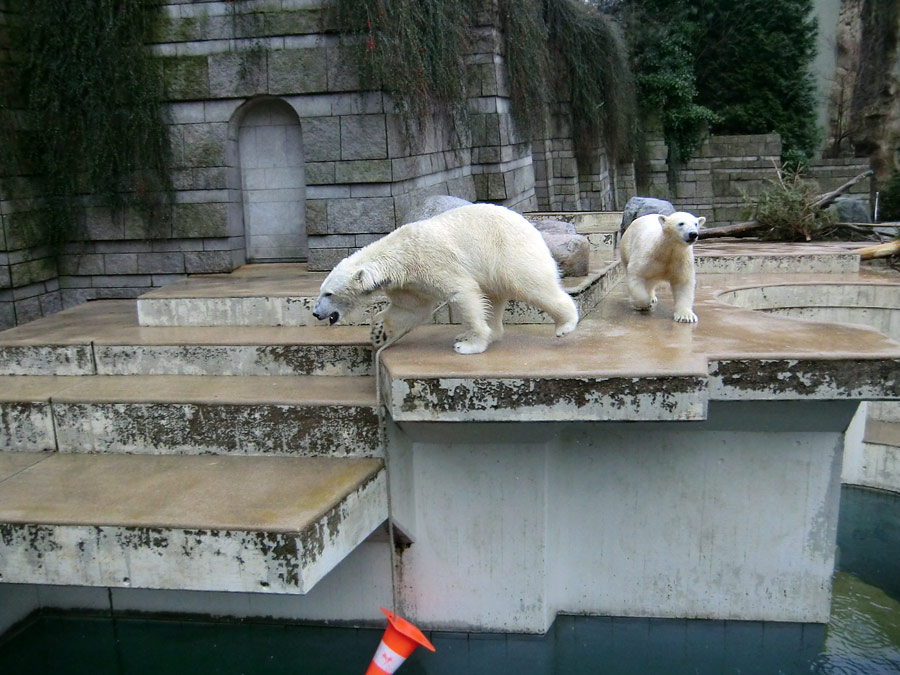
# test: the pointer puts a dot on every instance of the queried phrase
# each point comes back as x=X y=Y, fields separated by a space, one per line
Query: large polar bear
x=657 y=248
x=475 y=257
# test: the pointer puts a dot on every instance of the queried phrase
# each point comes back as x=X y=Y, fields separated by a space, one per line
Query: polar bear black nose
x=692 y=237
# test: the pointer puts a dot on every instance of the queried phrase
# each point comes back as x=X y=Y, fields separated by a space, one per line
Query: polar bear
x=657 y=248
x=475 y=257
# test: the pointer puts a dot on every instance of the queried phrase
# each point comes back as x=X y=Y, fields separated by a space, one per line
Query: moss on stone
x=185 y=77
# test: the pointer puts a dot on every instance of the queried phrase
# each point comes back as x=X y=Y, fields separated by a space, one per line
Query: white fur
x=659 y=248
x=476 y=257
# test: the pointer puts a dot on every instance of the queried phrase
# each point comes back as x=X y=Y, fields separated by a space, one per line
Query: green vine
x=416 y=50
x=602 y=86
x=413 y=49
x=529 y=64
x=90 y=91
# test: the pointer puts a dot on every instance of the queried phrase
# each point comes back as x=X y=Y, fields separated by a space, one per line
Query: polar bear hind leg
x=498 y=306
x=473 y=310
x=557 y=303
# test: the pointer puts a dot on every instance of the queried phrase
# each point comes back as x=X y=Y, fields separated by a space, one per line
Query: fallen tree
x=880 y=250
x=750 y=227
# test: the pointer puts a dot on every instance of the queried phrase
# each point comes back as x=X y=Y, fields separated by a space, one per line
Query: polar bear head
x=684 y=226
x=345 y=287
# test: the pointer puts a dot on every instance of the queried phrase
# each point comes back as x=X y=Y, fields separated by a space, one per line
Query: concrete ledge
x=300 y=416
x=180 y=522
x=104 y=338
x=621 y=364
x=546 y=399
x=258 y=298
x=736 y=256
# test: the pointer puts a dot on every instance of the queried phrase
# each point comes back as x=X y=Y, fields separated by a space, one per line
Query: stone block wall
x=725 y=168
x=561 y=184
x=228 y=65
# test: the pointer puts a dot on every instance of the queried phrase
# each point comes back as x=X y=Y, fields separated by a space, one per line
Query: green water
x=863 y=636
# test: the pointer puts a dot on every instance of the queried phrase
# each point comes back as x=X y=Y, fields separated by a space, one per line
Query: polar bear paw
x=469 y=344
x=378 y=335
x=685 y=316
x=566 y=328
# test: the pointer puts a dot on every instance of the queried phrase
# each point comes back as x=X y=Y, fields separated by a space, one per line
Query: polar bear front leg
x=404 y=312
x=642 y=296
x=472 y=308
x=684 y=301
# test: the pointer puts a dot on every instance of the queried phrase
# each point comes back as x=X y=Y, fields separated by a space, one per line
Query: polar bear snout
x=691 y=236
x=325 y=309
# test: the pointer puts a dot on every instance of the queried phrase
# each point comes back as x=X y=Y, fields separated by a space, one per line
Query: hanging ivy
x=90 y=91
x=602 y=88
x=416 y=50
x=413 y=49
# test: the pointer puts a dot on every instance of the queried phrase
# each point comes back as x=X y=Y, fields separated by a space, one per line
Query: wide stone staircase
x=234 y=458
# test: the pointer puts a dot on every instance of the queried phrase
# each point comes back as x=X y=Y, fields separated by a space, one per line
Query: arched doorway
x=270 y=147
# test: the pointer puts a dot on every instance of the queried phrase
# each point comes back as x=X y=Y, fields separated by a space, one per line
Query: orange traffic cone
x=398 y=642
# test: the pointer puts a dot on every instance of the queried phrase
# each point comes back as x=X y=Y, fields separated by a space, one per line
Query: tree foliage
x=738 y=66
x=753 y=68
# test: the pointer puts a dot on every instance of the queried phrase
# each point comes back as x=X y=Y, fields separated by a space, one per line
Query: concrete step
x=260 y=524
x=256 y=296
x=176 y=414
x=104 y=338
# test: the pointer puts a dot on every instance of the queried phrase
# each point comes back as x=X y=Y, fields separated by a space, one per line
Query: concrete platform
x=171 y=414
x=104 y=338
x=266 y=525
x=285 y=296
x=625 y=365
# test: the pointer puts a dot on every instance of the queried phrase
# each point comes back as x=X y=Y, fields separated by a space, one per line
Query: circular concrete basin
x=869 y=304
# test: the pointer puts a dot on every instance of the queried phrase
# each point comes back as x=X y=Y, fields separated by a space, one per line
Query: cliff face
x=864 y=113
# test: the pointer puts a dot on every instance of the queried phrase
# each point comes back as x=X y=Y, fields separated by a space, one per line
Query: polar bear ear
x=662 y=220
x=700 y=221
x=368 y=281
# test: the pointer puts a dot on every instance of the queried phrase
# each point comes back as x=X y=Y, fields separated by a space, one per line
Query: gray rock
x=430 y=207
x=570 y=251
x=850 y=210
x=642 y=206
x=555 y=227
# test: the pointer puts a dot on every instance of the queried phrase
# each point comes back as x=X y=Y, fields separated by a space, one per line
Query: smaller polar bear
x=658 y=248
x=475 y=257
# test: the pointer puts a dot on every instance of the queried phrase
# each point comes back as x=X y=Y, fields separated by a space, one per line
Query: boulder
x=430 y=207
x=642 y=206
x=571 y=252
x=555 y=227
x=850 y=210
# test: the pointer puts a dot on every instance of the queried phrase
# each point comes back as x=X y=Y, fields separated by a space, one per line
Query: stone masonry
x=280 y=154
x=725 y=168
